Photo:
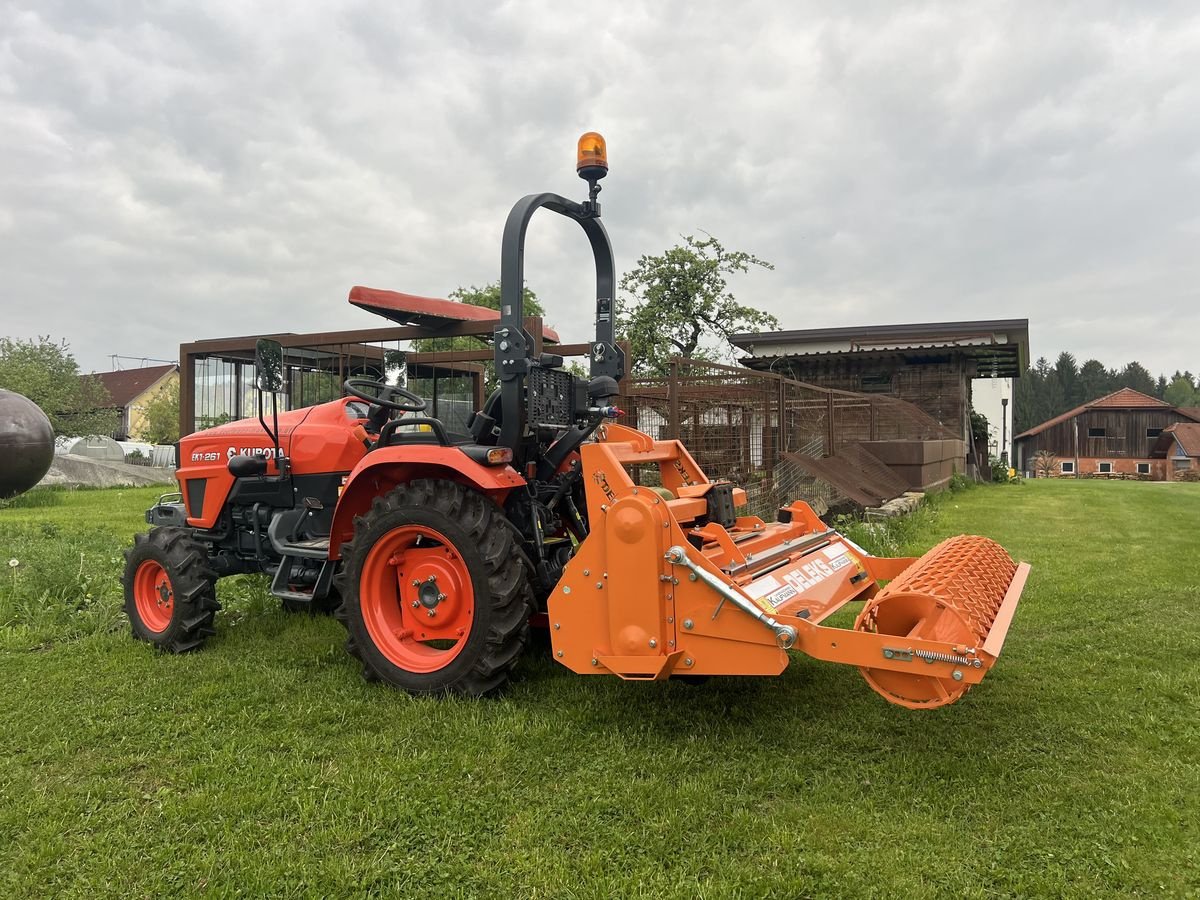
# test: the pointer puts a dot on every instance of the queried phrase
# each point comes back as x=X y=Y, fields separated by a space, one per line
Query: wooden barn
x=1115 y=435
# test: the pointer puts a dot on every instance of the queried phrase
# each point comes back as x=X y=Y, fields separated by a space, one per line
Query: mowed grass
x=265 y=765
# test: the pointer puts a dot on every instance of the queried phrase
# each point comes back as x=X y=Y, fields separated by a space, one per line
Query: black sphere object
x=26 y=444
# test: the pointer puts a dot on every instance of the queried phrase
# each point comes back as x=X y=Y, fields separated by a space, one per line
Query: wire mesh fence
x=753 y=427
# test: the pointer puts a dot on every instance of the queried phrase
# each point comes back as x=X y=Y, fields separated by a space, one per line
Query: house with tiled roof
x=132 y=389
x=1114 y=435
x=1179 y=446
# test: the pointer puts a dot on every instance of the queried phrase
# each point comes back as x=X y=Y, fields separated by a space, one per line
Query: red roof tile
x=126 y=385
x=1192 y=412
x=1187 y=435
x=1125 y=398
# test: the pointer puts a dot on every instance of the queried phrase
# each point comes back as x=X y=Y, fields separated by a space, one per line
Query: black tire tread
x=192 y=582
x=510 y=597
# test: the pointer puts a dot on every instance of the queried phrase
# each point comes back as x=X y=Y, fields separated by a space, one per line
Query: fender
x=381 y=470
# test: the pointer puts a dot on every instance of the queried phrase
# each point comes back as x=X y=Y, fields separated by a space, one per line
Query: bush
x=895 y=536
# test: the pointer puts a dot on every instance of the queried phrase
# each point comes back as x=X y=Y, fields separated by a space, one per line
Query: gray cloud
x=198 y=170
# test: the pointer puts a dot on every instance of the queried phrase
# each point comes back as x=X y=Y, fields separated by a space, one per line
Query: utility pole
x=1004 y=431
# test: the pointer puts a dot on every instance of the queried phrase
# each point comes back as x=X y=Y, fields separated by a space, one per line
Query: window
x=1096 y=432
x=875 y=383
x=1143 y=468
x=1068 y=468
x=1181 y=465
x=1153 y=432
x=1105 y=468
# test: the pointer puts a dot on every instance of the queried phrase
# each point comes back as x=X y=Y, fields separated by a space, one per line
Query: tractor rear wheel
x=436 y=598
x=170 y=593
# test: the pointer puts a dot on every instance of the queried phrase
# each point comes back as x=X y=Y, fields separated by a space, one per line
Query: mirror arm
x=281 y=463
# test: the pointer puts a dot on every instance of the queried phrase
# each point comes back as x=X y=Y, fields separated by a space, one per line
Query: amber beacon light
x=592 y=160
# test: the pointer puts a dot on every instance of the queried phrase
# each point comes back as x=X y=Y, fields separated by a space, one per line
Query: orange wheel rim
x=417 y=599
x=154 y=596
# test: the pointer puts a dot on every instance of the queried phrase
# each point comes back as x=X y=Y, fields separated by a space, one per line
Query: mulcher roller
x=954 y=594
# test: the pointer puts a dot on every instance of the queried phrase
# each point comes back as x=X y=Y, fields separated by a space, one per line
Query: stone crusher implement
x=672 y=581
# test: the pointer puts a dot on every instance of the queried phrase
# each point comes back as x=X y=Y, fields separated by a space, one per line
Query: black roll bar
x=513 y=344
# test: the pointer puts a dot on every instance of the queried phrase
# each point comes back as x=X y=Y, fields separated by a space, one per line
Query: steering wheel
x=385 y=395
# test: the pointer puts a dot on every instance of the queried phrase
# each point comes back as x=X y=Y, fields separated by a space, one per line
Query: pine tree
x=1094 y=381
x=1135 y=376
x=1067 y=376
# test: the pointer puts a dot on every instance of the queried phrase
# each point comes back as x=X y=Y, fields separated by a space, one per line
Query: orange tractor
x=436 y=549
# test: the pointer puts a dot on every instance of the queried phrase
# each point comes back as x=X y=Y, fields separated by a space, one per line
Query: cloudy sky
x=177 y=171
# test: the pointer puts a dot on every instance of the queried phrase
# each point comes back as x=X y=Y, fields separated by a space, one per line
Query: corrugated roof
x=1000 y=346
x=1187 y=434
x=126 y=385
x=1125 y=398
x=908 y=333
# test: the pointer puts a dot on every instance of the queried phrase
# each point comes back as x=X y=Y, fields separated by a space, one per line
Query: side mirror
x=268 y=364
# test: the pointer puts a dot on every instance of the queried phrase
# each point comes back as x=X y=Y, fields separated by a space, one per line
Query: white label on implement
x=808 y=574
x=840 y=562
x=763 y=586
x=781 y=596
x=835 y=551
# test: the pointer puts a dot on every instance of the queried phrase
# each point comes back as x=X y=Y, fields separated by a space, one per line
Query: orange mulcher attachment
x=671 y=581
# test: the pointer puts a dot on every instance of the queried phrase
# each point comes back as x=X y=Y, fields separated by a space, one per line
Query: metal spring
x=931 y=656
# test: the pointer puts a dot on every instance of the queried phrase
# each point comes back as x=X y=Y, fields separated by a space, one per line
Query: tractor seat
x=391 y=435
x=438 y=435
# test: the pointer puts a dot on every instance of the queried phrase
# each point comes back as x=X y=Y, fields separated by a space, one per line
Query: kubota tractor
x=436 y=548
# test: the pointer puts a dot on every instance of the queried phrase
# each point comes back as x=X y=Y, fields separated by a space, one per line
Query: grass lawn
x=264 y=765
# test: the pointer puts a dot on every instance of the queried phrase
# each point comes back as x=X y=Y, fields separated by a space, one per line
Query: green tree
x=46 y=372
x=1135 y=376
x=1068 y=378
x=1094 y=380
x=1025 y=402
x=1047 y=391
x=488 y=296
x=680 y=299
x=1054 y=400
x=161 y=423
x=1182 y=391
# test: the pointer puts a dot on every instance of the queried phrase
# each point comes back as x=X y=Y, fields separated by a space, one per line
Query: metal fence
x=738 y=423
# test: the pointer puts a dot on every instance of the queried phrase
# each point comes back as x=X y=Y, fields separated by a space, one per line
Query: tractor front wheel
x=170 y=593
x=436 y=598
